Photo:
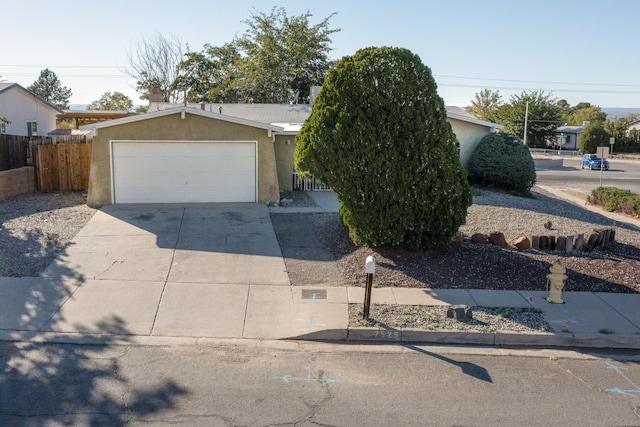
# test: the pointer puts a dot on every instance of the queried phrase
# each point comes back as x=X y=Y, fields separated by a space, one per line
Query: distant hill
x=620 y=112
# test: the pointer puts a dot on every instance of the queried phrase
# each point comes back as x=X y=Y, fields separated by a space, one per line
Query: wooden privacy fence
x=13 y=151
x=63 y=167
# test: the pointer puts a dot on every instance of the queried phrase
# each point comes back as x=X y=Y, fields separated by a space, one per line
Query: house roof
x=5 y=87
x=291 y=117
x=65 y=132
x=460 y=113
x=264 y=113
x=570 y=129
x=183 y=110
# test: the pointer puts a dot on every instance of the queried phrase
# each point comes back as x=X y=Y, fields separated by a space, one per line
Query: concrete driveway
x=179 y=271
x=218 y=243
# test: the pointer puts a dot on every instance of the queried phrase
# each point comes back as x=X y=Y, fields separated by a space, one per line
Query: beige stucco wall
x=469 y=135
x=173 y=127
x=284 y=148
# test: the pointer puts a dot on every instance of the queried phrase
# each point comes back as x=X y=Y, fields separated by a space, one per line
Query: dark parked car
x=592 y=161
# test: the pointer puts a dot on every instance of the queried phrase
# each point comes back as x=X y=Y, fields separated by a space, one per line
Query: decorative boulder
x=498 y=239
x=480 y=238
x=460 y=312
x=522 y=243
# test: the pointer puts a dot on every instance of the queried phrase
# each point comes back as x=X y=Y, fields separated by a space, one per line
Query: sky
x=578 y=50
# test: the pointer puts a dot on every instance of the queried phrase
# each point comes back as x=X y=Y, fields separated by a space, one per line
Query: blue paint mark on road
x=313 y=298
x=631 y=392
x=309 y=378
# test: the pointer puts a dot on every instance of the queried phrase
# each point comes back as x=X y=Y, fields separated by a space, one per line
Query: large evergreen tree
x=378 y=135
x=49 y=88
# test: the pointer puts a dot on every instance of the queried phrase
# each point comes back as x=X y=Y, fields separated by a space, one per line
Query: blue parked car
x=592 y=161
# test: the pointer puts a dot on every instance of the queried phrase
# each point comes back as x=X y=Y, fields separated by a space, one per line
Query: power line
x=627 y=92
x=536 y=81
x=119 y=67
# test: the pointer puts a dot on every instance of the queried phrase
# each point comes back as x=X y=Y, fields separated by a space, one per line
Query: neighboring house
x=29 y=114
x=213 y=152
x=469 y=130
x=571 y=136
x=634 y=125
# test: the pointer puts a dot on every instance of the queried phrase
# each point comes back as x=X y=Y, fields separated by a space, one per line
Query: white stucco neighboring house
x=29 y=114
x=570 y=135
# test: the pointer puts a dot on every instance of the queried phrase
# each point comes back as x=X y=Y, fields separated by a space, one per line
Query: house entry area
x=183 y=171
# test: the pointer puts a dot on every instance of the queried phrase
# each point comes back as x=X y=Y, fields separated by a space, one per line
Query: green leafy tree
x=502 y=160
x=378 y=135
x=485 y=104
x=276 y=60
x=543 y=119
x=594 y=136
x=115 y=101
x=581 y=113
x=618 y=128
x=49 y=88
x=213 y=75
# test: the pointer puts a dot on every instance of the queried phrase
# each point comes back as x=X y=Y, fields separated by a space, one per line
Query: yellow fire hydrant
x=555 y=283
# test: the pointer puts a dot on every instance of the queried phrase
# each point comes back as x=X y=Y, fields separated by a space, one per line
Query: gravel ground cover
x=434 y=318
x=468 y=265
x=36 y=227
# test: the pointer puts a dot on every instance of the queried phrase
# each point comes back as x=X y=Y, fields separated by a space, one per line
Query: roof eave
x=183 y=111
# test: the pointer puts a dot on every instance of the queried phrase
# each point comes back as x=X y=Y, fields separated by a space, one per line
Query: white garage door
x=183 y=172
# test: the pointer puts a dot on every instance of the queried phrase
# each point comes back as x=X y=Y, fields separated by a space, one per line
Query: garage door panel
x=184 y=172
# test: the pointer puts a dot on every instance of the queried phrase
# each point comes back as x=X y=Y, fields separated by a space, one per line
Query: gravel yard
x=36 y=227
x=468 y=265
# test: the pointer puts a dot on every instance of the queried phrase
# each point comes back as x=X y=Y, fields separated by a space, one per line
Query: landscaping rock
x=480 y=238
x=460 y=312
x=498 y=239
x=522 y=243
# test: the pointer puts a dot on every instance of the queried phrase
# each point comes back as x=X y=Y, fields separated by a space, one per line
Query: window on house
x=32 y=129
x=3 y=127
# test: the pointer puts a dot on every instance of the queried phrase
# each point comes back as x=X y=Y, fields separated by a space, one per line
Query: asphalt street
x=290 y=383
x=622 y=174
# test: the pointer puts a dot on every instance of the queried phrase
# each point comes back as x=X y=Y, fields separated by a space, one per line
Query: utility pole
x=526 y=117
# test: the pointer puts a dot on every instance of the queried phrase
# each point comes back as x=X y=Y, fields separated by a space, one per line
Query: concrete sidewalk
x=112 y=309
x=189 y=273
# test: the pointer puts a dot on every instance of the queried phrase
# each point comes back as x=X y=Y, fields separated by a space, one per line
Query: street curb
x=354 y=336
x=498 y=338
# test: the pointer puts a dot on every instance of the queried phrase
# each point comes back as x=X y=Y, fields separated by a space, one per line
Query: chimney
x=155 y=96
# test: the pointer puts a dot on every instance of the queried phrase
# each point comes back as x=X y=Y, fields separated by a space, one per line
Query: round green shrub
x=501 y=160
